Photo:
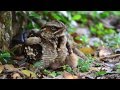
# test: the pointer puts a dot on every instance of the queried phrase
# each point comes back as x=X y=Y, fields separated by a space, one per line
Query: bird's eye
x=53 y=28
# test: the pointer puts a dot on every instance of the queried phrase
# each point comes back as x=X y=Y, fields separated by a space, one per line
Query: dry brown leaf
x=67 y=75
x=87 y=50
x=16 y=76
x=9 y=67
x=1 y=68
x=94 y=69
x=104 y=51
x=74 y=35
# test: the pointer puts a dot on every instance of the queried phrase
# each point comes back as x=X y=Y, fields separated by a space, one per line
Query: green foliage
x=118 y=68
x=97 y=44
x=84 y=65
x=84 y=39
x=67 y=68
x=97 y=65
x=100 y=30
x=4 y=56
x=51 y=73
x=100 y=73
x=115 y=13
x=105 y=14
x=32 y=25
x=76 y=17
x=32 y=14
x=38 y=64
x=80 y=17
x=112 y=40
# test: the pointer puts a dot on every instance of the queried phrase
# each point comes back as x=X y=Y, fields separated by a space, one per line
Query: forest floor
x=100 y=42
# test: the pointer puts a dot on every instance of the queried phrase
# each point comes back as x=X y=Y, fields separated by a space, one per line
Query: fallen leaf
x=74 y=35
x=16 y=76
x=9 y=67
x=67 y=75
x=1 y=68
x=29 y=73
x=87 y=50
x=94 y=69
x=104 y=51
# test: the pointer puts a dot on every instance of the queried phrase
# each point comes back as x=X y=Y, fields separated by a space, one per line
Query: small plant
x=117 y=68
x=84 y=65
x=67 y=68
x=38 y=64
x=100 y=30
x=100 y=73
x=4 y=56
x=51 y=73
x=47 y=72
x=84 y=39
x=112 y=40
x=97 y=65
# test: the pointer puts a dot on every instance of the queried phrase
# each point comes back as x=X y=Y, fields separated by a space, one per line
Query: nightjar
x=51 y=46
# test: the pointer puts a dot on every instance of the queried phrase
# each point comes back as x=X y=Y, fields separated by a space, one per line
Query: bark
x=6 y=32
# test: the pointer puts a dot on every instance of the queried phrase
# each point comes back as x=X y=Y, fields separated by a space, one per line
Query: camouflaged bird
x=52 y=46
x=53 y=41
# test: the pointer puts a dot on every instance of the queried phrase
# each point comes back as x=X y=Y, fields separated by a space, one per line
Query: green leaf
x=33 y=14
x=4 y=57
x=77 y=38
x=84 y=20
x=118 y=66
x=53 y=74
x=30 y=26
x=93 y=30
x=69 y=69
x=118 y=70
x=76 y=17
x=29 y=73
x=59 y=73
x=100 y=73
x=84 y=65
x=56 y=16
x=104 y=14
x=38 y=64
x=94 y=14
x=84 y=38
x=100 y=26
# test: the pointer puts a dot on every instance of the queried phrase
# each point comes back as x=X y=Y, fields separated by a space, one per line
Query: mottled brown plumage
x=53 y=45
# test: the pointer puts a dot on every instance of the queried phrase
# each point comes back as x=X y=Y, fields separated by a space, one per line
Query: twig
x=111 y=56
